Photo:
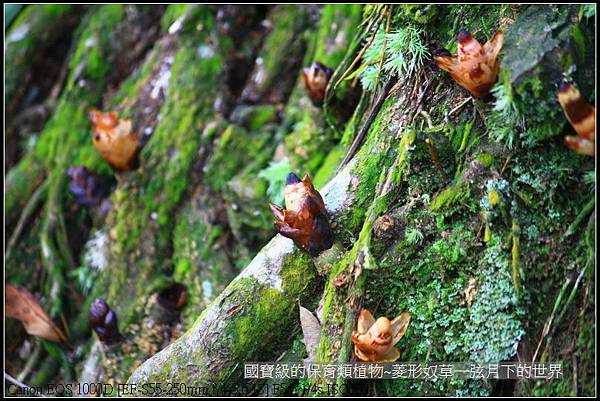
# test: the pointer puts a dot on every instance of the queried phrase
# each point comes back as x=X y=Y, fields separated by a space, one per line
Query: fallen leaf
x=311 y=330
x=23 y=306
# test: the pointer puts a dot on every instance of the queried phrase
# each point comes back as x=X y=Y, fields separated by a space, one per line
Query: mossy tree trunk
x=489 y=262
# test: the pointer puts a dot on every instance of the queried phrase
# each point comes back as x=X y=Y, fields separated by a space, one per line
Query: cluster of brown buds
x=475 y=67
x=113 y=139
x=316 y=77
x=582 y=117
x=304 y=219
x=104 y=322
x=88 y=188
x=374 y=340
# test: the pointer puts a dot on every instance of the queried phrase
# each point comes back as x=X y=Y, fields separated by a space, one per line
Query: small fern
x=506 y=120
x=403 y=51
x=590 y=179
x=414 y=236
x=275 y=174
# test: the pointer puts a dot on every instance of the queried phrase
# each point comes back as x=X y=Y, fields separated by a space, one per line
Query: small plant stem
x=587 y=209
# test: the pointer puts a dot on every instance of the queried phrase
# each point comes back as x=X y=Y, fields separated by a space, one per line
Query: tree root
x=342 y=306
x=28 y=210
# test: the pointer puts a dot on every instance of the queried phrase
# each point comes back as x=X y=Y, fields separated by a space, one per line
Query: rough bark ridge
x=472 y=215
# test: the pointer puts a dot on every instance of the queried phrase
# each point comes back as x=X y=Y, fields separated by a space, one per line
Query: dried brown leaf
x=311 y=330
x=22 y=305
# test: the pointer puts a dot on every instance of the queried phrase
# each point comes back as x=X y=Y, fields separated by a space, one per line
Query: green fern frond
x=404 y=53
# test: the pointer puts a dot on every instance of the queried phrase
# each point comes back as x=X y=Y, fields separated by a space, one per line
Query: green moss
x=274 y=310
x=338 y=319
x=327 y=169
x=250 y=219
x=202 y=268
x=253 y=118
x=310 y=140
x=429 y=280
x=494 y=339
x=93 y=58
x=283 y=40
x=368 y=166
x=64 y=139
x=21 y=181
x=487 y=160
x=230 y=155
x=557 y=44
x=494 y=198
x=172 y=14
x=260 y=319
x=275 y=174
x=587 y=11
x=515 y=232
x=580 y=41
x=126 y=97
x=333 y=344
x=460 y=290
x=337 y=26
x=143 y=207
x=23 y=257
x=421 y=14
x=450 y=196
x=447 y=21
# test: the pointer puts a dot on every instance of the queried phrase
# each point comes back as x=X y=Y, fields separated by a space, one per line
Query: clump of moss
x=203 y=267
x=228 y=157
x=493 y=329
x=143 y=208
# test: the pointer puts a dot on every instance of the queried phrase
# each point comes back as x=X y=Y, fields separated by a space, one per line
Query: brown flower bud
x=304 y=219
x=316 y=77
x=113 y=139
x=89 y=189
x=475 y=67
x=374 y=340
x=582 y=117
x=104 y=322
